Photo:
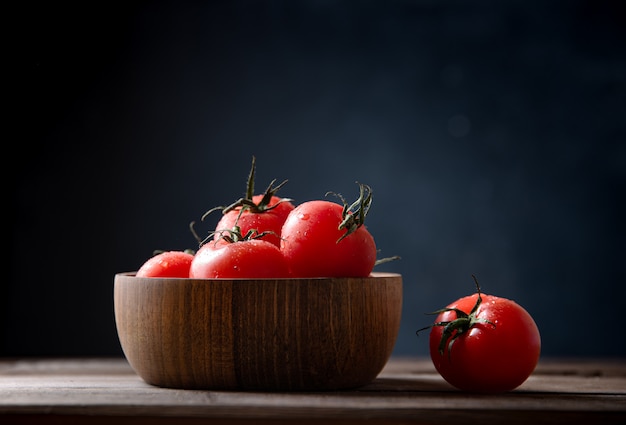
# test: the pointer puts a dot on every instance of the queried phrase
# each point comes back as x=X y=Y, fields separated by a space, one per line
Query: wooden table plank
x=407 y=391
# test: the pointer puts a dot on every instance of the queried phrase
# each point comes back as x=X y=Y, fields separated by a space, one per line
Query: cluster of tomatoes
x=267 y=236
x=479 y=343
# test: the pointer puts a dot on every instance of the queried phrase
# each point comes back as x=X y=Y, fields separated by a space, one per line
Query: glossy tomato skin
x=488 y=359
x=167 y=264
x=249 y=259
x=309 y=243
x=267 y=221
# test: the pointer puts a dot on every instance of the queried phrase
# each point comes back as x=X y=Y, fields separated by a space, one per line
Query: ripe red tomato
x=315 y=243
x=484 y=343
x=167 y=264
x=262 y=217
x=250 y=259
x=262 y=214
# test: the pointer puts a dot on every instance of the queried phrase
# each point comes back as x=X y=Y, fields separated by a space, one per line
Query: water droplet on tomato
x=303 y=216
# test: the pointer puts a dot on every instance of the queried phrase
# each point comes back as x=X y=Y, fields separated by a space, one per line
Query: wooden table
x=96 y=391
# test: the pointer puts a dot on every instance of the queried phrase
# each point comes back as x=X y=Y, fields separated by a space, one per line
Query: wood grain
x=408 y=390
x=283 y=334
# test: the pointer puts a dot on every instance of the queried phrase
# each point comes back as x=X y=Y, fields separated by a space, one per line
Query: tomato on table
x=167 y=264
x=321 y=238
x=484 y=343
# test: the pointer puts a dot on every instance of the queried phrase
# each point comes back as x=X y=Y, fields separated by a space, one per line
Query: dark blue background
x=492 y=133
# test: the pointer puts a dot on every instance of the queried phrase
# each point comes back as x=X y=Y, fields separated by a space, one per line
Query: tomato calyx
x=353 y=215
x=248 y=203
x=234 y=235
x=387 y=260
x=457 y=327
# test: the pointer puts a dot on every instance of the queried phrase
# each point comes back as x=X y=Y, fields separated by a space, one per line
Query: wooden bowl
x=282 y=334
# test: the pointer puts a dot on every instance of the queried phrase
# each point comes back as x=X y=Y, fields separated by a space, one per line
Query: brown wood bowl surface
x=282 y=334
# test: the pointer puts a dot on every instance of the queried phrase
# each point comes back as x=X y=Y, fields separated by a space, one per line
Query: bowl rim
x=372 y=276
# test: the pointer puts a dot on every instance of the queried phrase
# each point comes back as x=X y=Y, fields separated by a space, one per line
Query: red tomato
x=250 y=259
x=262 y=214
x=167 y=264
x=484 y=343
x=264 y=217
x=314 y=245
